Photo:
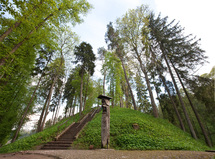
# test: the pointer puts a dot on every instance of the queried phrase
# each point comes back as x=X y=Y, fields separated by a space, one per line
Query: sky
x=195 y=15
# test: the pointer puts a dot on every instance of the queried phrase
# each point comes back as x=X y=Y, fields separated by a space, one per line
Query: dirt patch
x=109 y=154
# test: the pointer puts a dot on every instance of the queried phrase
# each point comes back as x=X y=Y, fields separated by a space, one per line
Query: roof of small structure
x=104 y=97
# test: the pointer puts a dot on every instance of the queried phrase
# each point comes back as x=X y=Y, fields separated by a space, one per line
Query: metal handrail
x=62 y=124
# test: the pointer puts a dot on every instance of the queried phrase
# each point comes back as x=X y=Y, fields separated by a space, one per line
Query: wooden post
x=105 y=125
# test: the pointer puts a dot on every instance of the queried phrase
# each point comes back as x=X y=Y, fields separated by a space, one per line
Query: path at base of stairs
x=109 y=154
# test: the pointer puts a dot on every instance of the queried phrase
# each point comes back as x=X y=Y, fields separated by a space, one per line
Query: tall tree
x=177 y=49
x=41 y=67
x=102 y=51
x=207 y=140
x=114 y=42
x=202 y=88
x=72 y=89
x=85 y=56
x=15 y=91
x=130 y=28
x=56 y=71
x=142 y=97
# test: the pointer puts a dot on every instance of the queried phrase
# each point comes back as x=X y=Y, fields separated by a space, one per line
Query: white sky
x=195 y=15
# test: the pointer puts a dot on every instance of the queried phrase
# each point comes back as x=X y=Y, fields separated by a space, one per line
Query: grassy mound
x=153 y=134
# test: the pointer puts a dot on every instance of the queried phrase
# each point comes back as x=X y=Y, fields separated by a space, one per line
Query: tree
x=85 y=56
x=202 y=88
x=114 y=42
x=115 y=76
x=16 y=91
x=180 y=51
x=160 y=69
x=130 y=28
x=47 y=15
x=102 y=51
x=40 y=69
x=207 y=140
x=56 y=71
x=142 y=97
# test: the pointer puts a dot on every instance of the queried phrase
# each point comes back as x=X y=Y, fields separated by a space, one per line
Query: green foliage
x=30 y=142
x=142 y=97
x=115 y=76
x=153 y=133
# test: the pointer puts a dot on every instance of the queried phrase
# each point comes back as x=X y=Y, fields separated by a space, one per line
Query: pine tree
x=85 y=56
x=180 y=51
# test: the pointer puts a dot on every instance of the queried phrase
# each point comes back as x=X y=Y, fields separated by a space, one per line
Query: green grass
x=30 y=142
x=153 y=134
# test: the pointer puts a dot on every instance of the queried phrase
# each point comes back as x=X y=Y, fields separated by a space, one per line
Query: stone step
x=66 y=139
x=60 y=142
x=57 y=145
x=64 y=142
x=55 y=148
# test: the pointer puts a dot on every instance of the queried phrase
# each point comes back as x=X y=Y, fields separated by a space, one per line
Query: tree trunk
x=3 y=60
x=154 y=107
x=17 y=24
x=26 y=111
x=121 y=102
x=112 y=91
x=126 y=96
x=82 y=76
x=73 y=111
x=56 y=114
x=173 y=103
x=70 y=112
x=47 y=107
x=42 y=114
x=58 y=105
x=85 y=97
x=53 y=115
x=46 y=113
x=9 y=30
x=180 y=98
x=104 y=82
x=210 y=134
x=26 y=38
x=28 y=106
x=39 y=127
x=207 y=140
x=129 y=87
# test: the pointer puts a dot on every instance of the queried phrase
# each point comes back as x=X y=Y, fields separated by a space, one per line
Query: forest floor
x=108 y=154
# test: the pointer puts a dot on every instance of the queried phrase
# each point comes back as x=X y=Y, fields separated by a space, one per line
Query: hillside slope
x=34 y=140
x=153 y=134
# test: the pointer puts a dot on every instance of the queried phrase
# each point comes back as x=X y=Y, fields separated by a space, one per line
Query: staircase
x=65 y=139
